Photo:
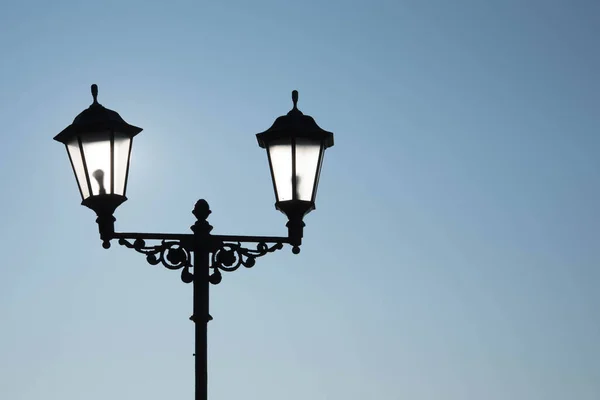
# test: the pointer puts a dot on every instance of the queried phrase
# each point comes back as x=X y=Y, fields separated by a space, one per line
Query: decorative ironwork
x=222 y=253
x=172 y=254
x=230 y=256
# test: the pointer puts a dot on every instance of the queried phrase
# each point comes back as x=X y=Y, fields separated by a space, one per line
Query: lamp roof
x=295 y=124
x=96 y=118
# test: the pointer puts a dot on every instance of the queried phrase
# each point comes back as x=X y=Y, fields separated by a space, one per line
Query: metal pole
x=201 y=318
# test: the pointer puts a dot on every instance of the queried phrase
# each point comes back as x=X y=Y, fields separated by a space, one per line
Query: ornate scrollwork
x=230 y=256
x=172 y=254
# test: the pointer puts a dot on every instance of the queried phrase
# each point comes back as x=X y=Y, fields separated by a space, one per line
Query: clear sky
x=455 y=249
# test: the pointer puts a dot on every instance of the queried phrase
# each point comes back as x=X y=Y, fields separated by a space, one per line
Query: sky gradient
x=455 y=249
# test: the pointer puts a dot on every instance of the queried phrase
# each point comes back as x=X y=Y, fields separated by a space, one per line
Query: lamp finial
x=95 y=93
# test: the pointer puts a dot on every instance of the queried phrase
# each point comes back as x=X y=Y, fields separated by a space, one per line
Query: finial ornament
x=201 y=212
x=95 y=93
x=295 y=98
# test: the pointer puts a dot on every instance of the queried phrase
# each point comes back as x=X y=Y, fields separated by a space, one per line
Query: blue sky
x=454 y=252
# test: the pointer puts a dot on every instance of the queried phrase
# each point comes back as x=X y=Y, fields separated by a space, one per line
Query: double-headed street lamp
x=99 y=145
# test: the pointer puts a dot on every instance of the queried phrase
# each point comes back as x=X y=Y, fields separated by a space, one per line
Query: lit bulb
x=99 y=176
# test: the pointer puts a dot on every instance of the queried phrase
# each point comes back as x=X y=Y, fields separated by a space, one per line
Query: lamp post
x=99 y=144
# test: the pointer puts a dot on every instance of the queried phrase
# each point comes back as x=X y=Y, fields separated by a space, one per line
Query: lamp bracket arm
x=173 y=251
x=251 y=239
x=229 y=254
x=184 y=237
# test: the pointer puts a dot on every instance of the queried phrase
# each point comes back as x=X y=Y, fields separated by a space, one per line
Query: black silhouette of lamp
x=295 y=146
x=99 y=146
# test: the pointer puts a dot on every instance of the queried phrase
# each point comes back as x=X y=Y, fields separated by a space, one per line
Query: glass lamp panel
x=96 y=151
x=321 y=155
x=280 y=158
x=78 y=167
x=121 y=161
x=307 y=163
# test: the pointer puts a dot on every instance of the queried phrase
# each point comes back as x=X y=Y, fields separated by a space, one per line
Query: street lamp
x=295 y=146
x=99 y=143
